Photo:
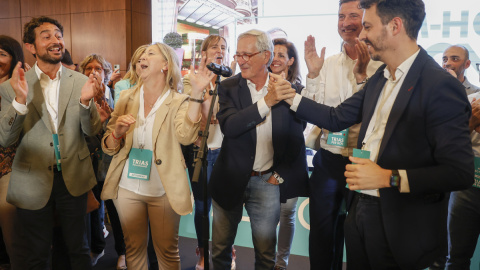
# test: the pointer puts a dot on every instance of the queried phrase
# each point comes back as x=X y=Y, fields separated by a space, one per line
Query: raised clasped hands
x=365 y=174
x=279 y=89
x=313 y=61
x=19 y=84
x=363 y=58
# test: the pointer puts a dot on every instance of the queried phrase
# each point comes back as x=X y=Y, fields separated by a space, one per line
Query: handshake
x=279 y=89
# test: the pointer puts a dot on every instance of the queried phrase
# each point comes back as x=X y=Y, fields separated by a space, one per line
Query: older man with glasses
x=263 y=149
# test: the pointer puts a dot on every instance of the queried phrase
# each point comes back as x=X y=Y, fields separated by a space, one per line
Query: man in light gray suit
x=46 y=111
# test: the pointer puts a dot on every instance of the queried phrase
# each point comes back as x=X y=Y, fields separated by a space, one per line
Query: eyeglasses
x=246 y=56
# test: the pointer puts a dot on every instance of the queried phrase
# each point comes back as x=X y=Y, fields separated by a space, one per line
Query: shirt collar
x=402 y=69
x=40 y=72
x=251 y=85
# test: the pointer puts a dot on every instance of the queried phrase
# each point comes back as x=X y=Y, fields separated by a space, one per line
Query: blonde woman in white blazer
x=148 y=125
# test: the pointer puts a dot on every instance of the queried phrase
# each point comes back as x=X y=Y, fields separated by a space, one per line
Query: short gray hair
x=264 y=42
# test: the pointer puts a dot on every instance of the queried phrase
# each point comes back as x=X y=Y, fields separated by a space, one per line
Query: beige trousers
x=135 y=211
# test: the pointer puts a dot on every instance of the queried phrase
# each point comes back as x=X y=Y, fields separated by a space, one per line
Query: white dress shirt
x=264 y=148
x=378 y=122
x=143 y=135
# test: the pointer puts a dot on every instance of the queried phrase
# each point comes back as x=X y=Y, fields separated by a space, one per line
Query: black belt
x=367 y=197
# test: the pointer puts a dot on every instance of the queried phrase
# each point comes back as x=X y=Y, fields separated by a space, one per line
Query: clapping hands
x=19 y=84
x=313 y=61
x=202 y=78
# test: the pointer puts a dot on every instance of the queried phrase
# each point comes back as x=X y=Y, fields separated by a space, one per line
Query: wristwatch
x=278 y=177
x=364 y=81
x=395 y=179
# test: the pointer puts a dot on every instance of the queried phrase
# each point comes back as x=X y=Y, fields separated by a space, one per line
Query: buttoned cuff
x=404 y=186
x=263 y=109
x=21 y=109
x=311 y=84
x=296 y=102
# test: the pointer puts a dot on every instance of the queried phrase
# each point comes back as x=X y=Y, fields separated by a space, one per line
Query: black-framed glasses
x=246 y=57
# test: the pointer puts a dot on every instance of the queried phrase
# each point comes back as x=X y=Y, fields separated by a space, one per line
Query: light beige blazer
x=171 y=128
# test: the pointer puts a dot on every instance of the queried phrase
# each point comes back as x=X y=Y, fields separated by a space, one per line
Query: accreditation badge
x=56 y=147
x=338 y=138
x=477 y=172
x=139 y=163
x=359 y=153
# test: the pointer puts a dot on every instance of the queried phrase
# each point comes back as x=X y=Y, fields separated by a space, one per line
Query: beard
x=50 y=59
x=378 y=46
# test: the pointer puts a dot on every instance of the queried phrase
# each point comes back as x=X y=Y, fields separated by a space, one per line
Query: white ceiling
x=208 y=13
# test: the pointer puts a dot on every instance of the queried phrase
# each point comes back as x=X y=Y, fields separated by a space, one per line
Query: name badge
x=358 y=153
x=338 y=138
x=56 y=147
x=139 y=163
x=477 y=172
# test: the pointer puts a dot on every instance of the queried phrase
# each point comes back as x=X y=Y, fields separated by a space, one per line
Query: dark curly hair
x=29 y=28
x=12 y=47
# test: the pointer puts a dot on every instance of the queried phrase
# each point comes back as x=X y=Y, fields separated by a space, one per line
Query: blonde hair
x=132 y=68
x=173 y=76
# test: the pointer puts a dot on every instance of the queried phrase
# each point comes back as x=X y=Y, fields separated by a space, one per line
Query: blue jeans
x=286 y=231
x=463 y=227
x=197 y=190
x=262 y=202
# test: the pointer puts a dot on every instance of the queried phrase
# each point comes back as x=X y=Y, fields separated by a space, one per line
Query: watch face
x=395 y=179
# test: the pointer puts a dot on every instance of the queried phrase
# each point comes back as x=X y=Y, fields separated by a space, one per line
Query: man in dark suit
x=263 y=152
x=47 y=110
x=414 y=139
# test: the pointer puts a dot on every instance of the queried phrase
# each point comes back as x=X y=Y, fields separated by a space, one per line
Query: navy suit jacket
x=238 y=119
x=427 y=135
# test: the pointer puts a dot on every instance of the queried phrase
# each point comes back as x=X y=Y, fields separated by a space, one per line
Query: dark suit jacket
x=427 y=135
x=238 y=118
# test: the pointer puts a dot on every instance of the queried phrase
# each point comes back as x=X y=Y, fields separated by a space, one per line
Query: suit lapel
x=403 y=97
x=160 y=116
x=37 y=99
x=65 y=93
x=245 y=101
x=370 y=103
x=244 y=94
x=132 y=108
x=278 y=122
